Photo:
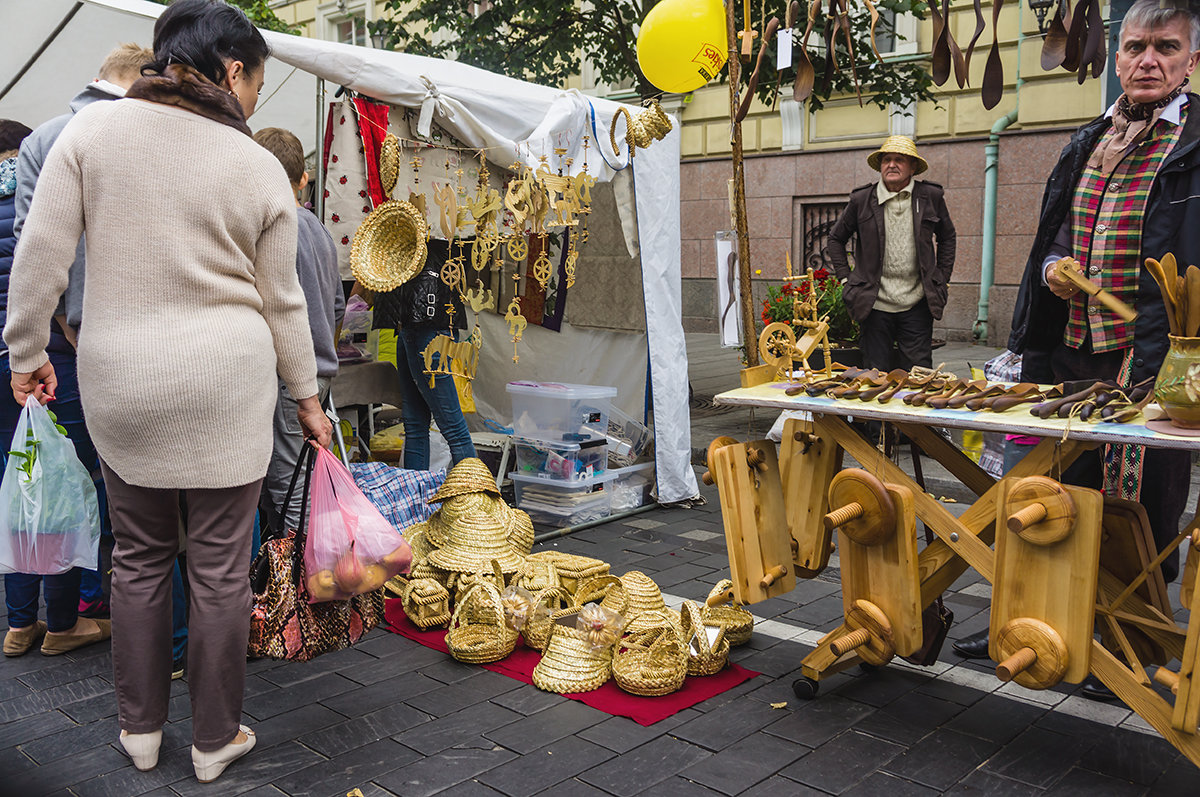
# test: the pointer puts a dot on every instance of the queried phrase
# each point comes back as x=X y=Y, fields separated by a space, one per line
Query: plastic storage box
x=627 y=438
x=549 y=410
x=555 y=503
x=560 y=459
x=632 y=485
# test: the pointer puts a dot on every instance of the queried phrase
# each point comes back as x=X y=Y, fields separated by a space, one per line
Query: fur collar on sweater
x=184 y=87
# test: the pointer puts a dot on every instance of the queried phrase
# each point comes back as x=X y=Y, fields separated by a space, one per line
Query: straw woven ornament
x=389 y=246
x=572 y=568
x=738 y=622
x=645 y=603
x=520 y=531
x=468 y=476
x=570 y=663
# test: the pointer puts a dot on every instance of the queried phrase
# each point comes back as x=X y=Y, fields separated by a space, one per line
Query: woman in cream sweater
x=191 y=305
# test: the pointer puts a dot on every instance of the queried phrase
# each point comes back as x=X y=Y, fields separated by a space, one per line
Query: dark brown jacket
x=931 y=220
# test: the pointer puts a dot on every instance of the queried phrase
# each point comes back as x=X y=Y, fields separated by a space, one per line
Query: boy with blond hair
x=317 y=267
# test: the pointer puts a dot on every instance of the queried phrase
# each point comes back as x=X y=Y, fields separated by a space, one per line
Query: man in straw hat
x=1126 y=188
x=898 y=285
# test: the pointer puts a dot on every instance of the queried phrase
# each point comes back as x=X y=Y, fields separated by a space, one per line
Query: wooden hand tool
x=805 y=73
x=1026 y=391
x=748 y=98
x=965 y=389
x=893 y=379
x=948 y=390
x=1166 y=286
x=1046 y=409
x=981 y=395
x=1192 y=294
x=1068 y=269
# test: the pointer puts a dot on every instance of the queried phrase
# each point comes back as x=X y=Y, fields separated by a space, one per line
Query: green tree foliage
x=259 y=12
x=543 y=40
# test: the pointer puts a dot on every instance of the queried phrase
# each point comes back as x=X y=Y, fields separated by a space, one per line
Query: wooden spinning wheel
x=776 y=344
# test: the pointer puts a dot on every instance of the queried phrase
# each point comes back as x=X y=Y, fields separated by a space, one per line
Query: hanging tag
x=783 y=49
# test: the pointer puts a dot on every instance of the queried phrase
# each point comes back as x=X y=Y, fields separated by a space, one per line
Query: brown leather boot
x=18 y=641
x=58 y=643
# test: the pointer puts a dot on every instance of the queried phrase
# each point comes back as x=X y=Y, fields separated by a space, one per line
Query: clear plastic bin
x=561 y=460
x=632 y=486
x=549 y=410
x=555 y=503
x=627 y=438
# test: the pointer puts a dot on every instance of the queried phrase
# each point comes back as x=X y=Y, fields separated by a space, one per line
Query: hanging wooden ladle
x=805 y=74
x=993 y=70
x=1076 y=33
x=1054 y=47
x=768 y=35
x=980 y=27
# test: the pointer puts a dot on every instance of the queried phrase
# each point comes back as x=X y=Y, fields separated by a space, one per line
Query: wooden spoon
x=768 y=36
x=969 y=389
x=977 y=398
x=1075 y=20
x=1054 y=48
x=805 y=74
x=1181 y=303
x=1192 y=294
x=1020 y=390
x=893 y=378
x=1156 y=270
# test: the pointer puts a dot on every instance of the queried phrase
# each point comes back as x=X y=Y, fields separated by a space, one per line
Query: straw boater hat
x=468 y=476
x=389 y=246
x=901 y=145
x=472 y=541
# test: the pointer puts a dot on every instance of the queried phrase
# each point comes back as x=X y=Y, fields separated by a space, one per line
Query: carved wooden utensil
x=968 y=389
x=894 y=379
x=805 y=73
x=1192 y=293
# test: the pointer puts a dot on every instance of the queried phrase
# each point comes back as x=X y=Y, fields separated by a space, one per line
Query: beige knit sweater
x=191 y=299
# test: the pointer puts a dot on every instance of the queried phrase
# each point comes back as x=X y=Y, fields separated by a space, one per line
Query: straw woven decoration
x=478 y=633
x=426 y=602
x=389 y=246
x=738 y=622
x=464 y=582
x=389 y=163
x=570 y=664
x=644 y=599
x=651 y=661
x=468 y=476
x=418 y=539
x=704 y=657
x=396 y=585
x=537 y=574
x=571 y=567
x=608 y=591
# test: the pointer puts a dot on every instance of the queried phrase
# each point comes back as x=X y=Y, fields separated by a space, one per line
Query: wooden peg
x=1040 y=510
x=1167 y=678
x=756 y=459
x=864 y=510
x=868 y=632
x=719 y=442
x=772 y=575
x=1018 y=662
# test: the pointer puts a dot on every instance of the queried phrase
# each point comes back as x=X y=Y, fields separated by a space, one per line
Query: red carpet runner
x=609 y=698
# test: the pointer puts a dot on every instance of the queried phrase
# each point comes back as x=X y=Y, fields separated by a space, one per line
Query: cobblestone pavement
x=392 y=717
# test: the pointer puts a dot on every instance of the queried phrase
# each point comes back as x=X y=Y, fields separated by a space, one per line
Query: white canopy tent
x=55 y=46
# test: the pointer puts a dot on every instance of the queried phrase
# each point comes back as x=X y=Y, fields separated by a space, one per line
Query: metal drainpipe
x=987 y=263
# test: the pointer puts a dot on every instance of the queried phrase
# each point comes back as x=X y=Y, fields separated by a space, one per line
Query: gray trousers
x=289 y=438
x=146 y=528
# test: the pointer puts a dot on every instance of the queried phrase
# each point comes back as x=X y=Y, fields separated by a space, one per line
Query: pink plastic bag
x=350 y=547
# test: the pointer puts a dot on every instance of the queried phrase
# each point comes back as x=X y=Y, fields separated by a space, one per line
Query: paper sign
x=783 y=51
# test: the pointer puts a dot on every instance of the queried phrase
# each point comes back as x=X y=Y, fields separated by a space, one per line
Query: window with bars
x=817 y=220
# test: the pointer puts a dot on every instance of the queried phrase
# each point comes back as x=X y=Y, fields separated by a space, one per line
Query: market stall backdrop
x=55 y=47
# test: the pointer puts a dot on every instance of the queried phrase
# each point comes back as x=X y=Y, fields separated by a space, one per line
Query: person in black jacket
x=417 y=310
x=1126 y=188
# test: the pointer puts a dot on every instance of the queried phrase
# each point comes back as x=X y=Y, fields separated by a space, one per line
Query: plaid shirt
x=1106 y=232
x=401 y=496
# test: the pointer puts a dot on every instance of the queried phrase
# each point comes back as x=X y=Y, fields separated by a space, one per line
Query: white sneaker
x=142 y=748
x=209 y=766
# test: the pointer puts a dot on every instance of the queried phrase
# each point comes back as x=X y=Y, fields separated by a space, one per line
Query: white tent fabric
x=510 y=118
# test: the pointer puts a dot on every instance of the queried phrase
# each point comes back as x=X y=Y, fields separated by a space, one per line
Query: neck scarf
x=1131 y=122
x=184 y=87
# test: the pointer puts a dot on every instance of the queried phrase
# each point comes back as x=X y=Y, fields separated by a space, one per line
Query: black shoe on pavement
x=1093 y=689
x=974 y=646
x=177 y=668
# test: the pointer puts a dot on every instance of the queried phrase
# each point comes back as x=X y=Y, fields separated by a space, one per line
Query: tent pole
x=38 y=53
x=749 y=336
x=319 y=187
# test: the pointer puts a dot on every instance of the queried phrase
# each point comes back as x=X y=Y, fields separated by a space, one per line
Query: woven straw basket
x=738 y=622
x=478 y=633
x=651 y=661
x=547 y=602
x=426 y=602
x=705 y=656
x=572 y=568
x=570 y=664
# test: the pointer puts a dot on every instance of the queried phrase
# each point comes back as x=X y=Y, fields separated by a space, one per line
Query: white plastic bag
x=49 y=519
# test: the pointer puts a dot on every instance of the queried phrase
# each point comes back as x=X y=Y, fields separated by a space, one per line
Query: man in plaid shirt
x=1126 y=187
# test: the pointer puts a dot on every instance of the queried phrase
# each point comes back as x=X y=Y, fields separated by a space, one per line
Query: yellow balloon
x=682 y=44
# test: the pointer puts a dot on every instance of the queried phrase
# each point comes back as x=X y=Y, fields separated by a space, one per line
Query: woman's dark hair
x=12 y=134
x=204 y=34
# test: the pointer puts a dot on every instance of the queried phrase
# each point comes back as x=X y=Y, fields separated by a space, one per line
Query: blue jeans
x=61 y=592
x=422 y=402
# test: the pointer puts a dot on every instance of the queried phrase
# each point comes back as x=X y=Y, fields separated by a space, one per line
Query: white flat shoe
x=209 y=766
x=142 y=748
